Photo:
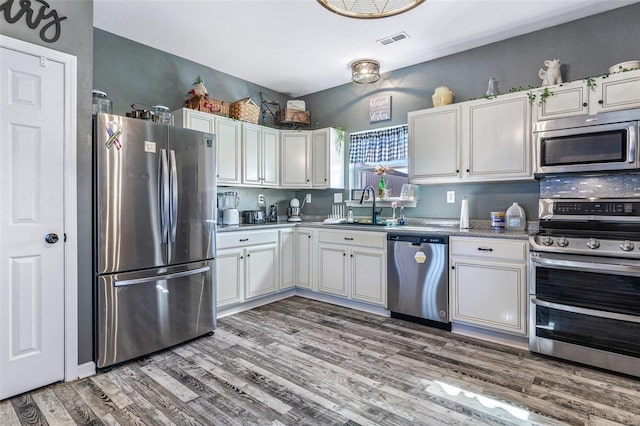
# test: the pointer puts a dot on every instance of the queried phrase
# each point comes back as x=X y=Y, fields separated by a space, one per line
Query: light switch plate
x=337 y=197
x=307 y=199
x=451 y=197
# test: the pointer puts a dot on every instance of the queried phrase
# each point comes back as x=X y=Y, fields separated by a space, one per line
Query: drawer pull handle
x=348 y=238
x=242 y=240
x=485 y=249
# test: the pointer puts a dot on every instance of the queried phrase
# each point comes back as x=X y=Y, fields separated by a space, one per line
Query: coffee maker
x=294 y=210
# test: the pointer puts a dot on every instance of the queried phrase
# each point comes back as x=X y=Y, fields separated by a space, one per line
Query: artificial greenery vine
x=339 y=139
x=591 y=83
x=546 y=93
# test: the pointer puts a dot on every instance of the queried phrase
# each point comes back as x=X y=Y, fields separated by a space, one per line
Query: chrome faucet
x=373 y=197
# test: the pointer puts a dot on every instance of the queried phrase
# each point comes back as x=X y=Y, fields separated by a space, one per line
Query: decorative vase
x=382 y=187
x=492 y=87
x=442 y=96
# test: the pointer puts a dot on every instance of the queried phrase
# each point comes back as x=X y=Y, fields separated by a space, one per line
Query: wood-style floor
x=303 y=362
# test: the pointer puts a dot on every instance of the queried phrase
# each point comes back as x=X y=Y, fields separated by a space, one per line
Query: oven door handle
x=609 y=268
x=586 y=311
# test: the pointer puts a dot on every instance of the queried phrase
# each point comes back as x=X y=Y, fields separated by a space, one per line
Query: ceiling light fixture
x=369 y=9
x=365 y=71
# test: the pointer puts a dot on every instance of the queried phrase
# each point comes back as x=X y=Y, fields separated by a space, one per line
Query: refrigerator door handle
x=173 y=212
x=163 y=183
x=161 y=277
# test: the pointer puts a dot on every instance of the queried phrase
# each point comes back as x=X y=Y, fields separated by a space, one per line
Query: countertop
x=478 y=228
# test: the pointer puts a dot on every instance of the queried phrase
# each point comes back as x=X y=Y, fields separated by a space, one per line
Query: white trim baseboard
x=85 y=370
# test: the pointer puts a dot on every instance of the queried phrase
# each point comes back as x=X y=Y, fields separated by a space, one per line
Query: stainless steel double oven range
x=585 y=282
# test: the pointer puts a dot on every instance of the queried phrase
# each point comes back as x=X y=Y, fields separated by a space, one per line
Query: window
x=386 y=147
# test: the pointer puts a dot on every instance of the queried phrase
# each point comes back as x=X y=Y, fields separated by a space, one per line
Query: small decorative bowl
x=624 y=66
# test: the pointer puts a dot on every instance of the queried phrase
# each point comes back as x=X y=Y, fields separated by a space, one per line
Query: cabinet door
x=332 y=263
x=270 y=157
x=616 y=92
x=489 y=295
x=251 y=154
x=294 y=170
x=303 y=249
x=498 y=136
x=434 y=145
x=228 y=151
x=368 y=276
x=287 y=258
x=261 y=270
x=320 y=158
x=568 y=100
x=198 y=120
x=229 y=276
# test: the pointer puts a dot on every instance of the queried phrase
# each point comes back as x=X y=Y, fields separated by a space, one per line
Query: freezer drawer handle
x=162 y=277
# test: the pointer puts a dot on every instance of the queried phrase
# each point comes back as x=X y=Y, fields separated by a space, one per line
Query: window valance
x=374 y=146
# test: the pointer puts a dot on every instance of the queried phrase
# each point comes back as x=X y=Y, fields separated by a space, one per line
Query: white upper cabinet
x=475 y=141
x=614 y=92
x=312 y=159
x=227 y=131
x=434 y=144
x=295 y=162
x=567 y=100
x=497 y=133
x=260 y=159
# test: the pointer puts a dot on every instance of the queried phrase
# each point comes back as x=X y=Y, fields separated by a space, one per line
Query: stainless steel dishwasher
x=418 y=278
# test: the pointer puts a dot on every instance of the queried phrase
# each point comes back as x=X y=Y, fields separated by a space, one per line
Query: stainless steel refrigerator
x=154 y=236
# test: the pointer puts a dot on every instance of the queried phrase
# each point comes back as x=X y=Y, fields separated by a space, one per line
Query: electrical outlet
x=337 y=197
x=260 y=198
x=451 y=197
x=307 y=199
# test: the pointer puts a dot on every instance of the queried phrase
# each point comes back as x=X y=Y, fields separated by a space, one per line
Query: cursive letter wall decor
x=35 y=13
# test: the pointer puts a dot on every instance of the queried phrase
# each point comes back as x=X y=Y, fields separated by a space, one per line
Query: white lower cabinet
x=353 y=264
x=287 y=256
x=246 y=266
x=488 y=283
x=304 y=249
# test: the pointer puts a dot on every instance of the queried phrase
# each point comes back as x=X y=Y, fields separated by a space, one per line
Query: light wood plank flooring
x=303 y=362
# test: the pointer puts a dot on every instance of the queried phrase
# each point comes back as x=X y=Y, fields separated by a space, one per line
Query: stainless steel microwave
x=595 y=143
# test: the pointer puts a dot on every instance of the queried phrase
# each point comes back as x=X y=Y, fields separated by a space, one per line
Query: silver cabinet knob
x=563 y=242
x=626 y=245
x=51 y=238
x=593 y=243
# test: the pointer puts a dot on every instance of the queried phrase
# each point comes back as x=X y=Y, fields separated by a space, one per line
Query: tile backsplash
x=609 y=186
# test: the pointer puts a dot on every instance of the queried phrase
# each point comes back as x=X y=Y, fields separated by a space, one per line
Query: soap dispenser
x=516 y=220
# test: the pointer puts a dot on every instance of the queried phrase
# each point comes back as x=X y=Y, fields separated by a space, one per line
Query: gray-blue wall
x=586 y=47
x=75 y=39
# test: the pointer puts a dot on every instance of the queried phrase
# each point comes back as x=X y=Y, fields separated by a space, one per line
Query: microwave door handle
x=585 y=311
x=633 y=140
x=163 y=183
x=173 y=212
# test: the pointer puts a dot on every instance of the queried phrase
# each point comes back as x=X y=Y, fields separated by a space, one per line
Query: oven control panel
x=585 y=209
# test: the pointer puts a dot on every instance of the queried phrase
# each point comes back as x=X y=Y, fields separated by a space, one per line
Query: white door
x=32 y=286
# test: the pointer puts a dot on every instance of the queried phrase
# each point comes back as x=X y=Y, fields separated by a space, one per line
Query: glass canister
x=161 y=114
x=101 y=103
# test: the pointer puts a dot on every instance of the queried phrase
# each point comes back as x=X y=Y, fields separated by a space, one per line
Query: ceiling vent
x=392 y=39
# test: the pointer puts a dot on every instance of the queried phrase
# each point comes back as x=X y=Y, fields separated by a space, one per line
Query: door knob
x=51 y=238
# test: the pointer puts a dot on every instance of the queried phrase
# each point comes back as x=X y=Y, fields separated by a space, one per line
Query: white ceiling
x=297 y=47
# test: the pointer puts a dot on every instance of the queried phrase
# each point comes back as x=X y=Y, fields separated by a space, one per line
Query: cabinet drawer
x=367 y=239
x=241 y=239
x=489 y=248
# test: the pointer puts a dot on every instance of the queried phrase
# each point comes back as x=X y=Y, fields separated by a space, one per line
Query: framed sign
x=380 y=108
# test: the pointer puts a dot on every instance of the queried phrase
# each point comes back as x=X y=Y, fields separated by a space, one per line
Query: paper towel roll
x=464 y=214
